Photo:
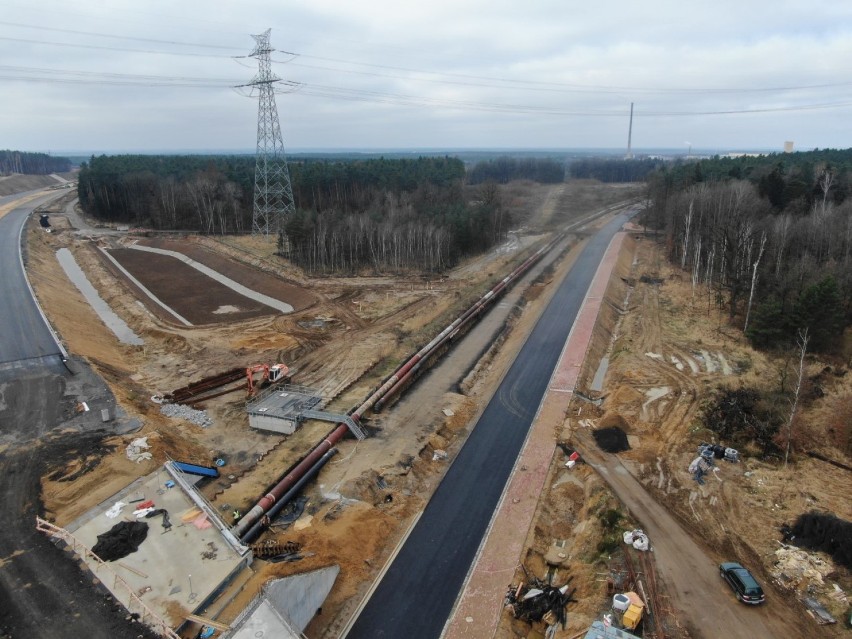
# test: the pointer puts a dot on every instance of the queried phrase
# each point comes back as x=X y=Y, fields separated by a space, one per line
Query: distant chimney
x=788 y=146
x=629 y=155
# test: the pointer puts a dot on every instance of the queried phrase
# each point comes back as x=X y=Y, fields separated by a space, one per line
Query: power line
x=437 y=77
x=66 y=76
x=118 y=37
x=554 y=85
x=105 y=48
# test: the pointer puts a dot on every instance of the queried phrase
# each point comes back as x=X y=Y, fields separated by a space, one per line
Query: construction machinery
x=268 y=374
x=209 y=387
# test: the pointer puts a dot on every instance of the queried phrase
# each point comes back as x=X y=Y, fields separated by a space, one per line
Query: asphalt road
x=416 y=594
x=23 y=333
x=43 y=592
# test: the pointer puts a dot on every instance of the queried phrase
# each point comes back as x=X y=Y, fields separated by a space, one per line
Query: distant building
x=788 y=146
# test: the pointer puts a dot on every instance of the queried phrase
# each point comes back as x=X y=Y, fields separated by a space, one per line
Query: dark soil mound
x=821 y=531
x=611 y=440
x=120 y=540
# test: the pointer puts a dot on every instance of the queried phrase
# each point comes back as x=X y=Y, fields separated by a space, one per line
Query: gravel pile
x=197 y=417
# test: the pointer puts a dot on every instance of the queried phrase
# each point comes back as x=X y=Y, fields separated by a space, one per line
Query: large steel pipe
x=258 y=526
x=287 y=482
x=407 y=372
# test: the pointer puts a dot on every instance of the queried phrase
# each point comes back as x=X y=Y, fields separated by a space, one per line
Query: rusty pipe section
x=403 y=370
x=389 y=389
x=287 y=482
x=382 y=393
x=252 y=533
x=407 y=371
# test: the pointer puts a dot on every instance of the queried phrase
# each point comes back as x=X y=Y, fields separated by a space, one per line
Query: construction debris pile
x=540 y=601
x=630 y=608
x=798 y=569
x=179 y=411
x=276 y=551
x=818 y=612
x=706 y=460
x=719 y=452
x=638 y=539
x=137 y=450
x=572 y=455
x=822 y=531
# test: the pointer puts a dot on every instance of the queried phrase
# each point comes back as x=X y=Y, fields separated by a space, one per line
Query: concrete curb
x=500 y=551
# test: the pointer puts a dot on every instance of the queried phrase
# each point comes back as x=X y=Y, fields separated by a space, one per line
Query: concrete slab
x=173 y=572
x=299 y=597
x=112 y=321
x=286 y=606
x=279 y=410
x=263 y=620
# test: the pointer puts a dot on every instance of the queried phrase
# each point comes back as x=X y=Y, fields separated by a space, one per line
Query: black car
x=744 y=585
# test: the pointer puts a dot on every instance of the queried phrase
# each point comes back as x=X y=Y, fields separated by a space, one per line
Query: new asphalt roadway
x=416 y=594
x=24 y=335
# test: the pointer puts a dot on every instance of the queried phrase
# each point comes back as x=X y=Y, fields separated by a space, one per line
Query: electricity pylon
x=273 y=193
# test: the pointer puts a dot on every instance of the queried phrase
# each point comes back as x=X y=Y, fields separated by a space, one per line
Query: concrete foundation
x=173 y=571
x=286 y=606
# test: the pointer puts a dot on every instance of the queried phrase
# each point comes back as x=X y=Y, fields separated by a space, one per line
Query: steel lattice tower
x=273 y=193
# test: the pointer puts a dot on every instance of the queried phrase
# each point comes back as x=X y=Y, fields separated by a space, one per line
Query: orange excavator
x=268 y=374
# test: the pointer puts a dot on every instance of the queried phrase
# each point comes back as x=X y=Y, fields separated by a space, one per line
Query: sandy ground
x=668 y=351
x=355 y=332
x=17 y=183
x=342 y=344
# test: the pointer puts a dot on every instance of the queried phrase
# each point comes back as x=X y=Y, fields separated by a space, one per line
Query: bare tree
x=781 y=231
x=754 y=278
x=824 y=181
x=685 y=243
x=802 y=339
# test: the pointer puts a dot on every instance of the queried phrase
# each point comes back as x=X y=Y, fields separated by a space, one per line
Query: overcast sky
x=443 y=74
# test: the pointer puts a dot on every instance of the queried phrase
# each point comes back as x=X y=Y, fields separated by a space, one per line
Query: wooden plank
x=208 y=622
x=138 y=572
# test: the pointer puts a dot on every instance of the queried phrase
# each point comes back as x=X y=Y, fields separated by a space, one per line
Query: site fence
x=102 y=569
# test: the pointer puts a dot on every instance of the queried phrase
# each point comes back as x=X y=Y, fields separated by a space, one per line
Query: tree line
x=788 y=181
x=504 y=169
x=32 y=163
x=614 y=170
x=381 y=214
x=779 y=265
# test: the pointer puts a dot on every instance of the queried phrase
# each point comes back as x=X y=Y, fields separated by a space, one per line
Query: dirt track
x=700 y=598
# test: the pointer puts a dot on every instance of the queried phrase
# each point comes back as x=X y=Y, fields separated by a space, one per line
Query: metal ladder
x=335 y=418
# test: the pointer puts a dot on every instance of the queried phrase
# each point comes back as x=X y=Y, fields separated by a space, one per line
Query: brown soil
x=187 y=291
x=668 y=350
x=352 y=333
